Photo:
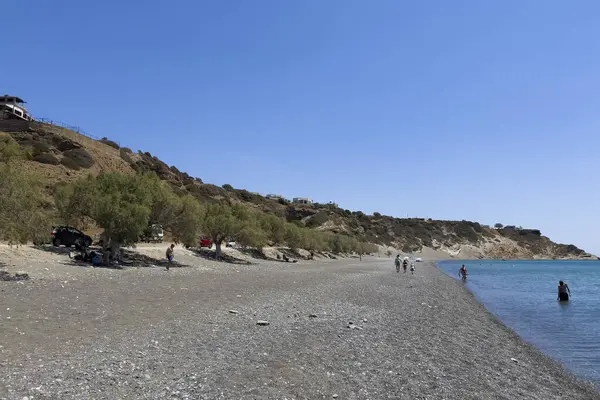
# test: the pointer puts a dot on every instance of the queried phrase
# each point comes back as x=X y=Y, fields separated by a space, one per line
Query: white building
x=302 y=200
x=12 y=107
x=274 y=196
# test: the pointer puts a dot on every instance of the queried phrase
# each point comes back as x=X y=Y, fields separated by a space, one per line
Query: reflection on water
x=524 y=295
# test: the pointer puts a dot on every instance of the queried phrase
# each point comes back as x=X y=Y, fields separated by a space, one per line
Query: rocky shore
x=341 y=329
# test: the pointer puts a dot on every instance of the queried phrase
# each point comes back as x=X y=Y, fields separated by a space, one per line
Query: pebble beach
x=344 y=329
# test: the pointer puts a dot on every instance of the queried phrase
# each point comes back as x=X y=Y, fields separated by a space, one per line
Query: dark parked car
x=69 y=236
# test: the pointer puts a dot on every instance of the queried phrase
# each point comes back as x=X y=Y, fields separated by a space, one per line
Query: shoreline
x=146 y=333
x=552 y=363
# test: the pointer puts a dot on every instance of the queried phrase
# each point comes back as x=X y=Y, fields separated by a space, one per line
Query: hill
x=60 y=155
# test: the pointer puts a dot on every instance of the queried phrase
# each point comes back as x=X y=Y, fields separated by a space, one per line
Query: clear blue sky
x=478 y=110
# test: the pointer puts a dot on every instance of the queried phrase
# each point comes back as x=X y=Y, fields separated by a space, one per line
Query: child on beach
x=169 y=254
x=412 y=267
x=397 y=262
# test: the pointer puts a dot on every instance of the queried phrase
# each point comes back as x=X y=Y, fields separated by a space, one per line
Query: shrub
x=66 y=144
x=283 y=202
x=70 y=163
x=46 y=158
x=126 y=157
x=127 y=150
x=318 y=219
x=110 y=143
x=376 y=214
x=80 y=157
x=227 y=186
x=40 y=148
x=187 y=181
x=22 y=213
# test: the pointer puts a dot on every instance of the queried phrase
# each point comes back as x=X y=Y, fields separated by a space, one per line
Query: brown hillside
x=61 y=155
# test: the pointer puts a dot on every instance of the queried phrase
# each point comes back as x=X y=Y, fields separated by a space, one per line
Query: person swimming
x=563 y=291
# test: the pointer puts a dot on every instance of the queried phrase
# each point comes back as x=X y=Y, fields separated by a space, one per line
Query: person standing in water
x=169 y=254
x=462 y=272
x=563 y=291
x=397 y=263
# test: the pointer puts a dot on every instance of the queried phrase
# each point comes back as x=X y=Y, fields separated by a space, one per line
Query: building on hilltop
x=302 y=200
x=274 y=196
x=12 y=107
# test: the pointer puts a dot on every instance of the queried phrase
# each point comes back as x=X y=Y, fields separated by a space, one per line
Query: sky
x=477 y=110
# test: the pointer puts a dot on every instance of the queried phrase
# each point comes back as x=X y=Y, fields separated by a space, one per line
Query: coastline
x=556 y=367
x=144 y=333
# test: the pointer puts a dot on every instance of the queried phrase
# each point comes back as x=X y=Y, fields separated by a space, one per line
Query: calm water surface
x=523 y=294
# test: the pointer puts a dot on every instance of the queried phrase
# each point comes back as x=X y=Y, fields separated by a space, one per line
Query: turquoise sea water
x=523 y=295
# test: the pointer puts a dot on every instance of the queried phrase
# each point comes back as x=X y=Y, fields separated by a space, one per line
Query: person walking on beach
x=412 y=267
x=404 y=264
x=397 y=263
x=563 y=291
x=462 y=272
x=169 y=254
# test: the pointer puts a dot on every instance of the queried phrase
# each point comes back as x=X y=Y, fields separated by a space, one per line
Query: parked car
x=206 y=243
x=154 y=233
x=69 y=236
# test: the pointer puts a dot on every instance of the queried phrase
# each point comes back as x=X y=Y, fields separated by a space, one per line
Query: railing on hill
x=67 y=126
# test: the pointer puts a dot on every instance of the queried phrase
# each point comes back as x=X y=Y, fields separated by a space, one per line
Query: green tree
x=315 y=240
x=227 y=186
x=274 y=227
x=165 y=204
x=363 y=248
x=220 y=223
x=293 y=236
x=249 y=231
x=187 y=221
x=23 y=215
x=118 y=203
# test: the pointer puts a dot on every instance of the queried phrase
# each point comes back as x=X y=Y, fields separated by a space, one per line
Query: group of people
x=404 y=263
x=563 y=289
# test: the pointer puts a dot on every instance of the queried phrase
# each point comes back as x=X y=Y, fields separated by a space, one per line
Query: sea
x=523 y=295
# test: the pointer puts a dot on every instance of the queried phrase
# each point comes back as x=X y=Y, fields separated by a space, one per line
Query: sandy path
x=149 y=334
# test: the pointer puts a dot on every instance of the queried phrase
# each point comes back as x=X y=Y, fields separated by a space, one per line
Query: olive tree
x=23 y=215
x=293 y=236
x=187 y=221
x=274 y=227
x=120 y=204
x=250 y=231
x=219 y=223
